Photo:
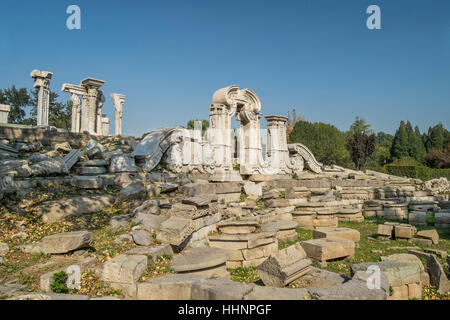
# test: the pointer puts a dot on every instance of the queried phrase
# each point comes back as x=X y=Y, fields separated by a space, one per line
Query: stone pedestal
x=118 y=100
x=4 y=113
x=42 y=83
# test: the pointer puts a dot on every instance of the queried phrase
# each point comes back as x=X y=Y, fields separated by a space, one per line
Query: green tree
x=360 y=143
x=59 y=113
x=436 y=137
x=400 y=144
x=360 y=126
x=18 y=99
x=324 y=140
x=418 y=150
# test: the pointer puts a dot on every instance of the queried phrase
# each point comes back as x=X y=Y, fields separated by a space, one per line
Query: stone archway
x=245 y=104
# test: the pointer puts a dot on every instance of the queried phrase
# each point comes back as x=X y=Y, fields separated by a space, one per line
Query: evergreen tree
x=436 y=137
x=360 y=143
x=420 y=147
x=400 y=144
x=360 y=126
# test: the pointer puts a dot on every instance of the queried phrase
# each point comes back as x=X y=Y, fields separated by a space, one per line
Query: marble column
x=90 y=105
x=42 y=83
x=118 y=100
x=277 y=150
x=76 y=92
x=250 y=154
x=100 y=102
x=4 y=113
x=105 y=126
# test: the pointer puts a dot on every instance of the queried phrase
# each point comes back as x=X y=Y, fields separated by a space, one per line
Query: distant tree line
x=360 y=147
x=21 y=100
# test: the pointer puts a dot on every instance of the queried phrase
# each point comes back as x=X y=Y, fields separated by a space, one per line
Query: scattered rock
x=429 y=234
x=438 y=278
x=142 y=237
x=52 y=211
x=67 y=242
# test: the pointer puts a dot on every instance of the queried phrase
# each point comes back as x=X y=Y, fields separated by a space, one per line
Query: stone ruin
x=188 y=151
x=182 y=194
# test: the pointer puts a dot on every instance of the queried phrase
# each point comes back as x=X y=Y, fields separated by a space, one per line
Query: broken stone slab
x=278 y=203
x=200 y=201
x=241 y=241
x=134 y=190
x=330 y=248
x=196 y=189
x=9 y=165
x=142 y=237
x=350 y=290
x=94 y=163
x=344 y=233
x=150 y=221
x=37 y=157
x=438 y=279
x=385 y=230
x=441 y=253
x=153 y=252
x=55 y=166
x=432 y=235
x=319 y=278
x=148 y=207
x=72 y=157
x=237 y=226
x=219 y=289
x=409 y=258
x=404 y=231
x=87 y=182
x=126 y=269
x=169 y=287
x=120 y=222
x=284 y=267
x=122 y=163
x=285 y=230
x=207 y=260
x=67 y=242
x=399 y=273
x=91 y=171
x=269 y=293
x=368 y=277
x=7 y=148
x=175 y=230
x=57 y=210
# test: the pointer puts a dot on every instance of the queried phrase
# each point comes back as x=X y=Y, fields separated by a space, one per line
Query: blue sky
x=168 y=57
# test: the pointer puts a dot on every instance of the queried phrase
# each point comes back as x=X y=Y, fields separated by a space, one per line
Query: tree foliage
x=324 y=140
x=361 y=143
x=18 y=99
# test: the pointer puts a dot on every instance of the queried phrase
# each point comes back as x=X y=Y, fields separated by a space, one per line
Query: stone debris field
x=85 y=215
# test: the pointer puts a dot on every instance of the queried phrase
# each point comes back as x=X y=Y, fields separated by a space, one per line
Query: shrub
x=59 y=283
x=417 y=172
